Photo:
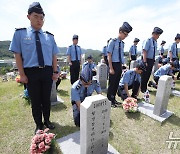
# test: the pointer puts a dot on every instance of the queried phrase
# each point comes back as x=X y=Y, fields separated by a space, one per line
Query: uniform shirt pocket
x=28 y=45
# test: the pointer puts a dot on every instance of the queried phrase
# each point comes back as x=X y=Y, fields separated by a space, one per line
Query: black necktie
x=76 y=53
x=154 y=49
x=85 y=92
x=176 y=51
x=120 y=51
x=39 y=50
x=135 y=50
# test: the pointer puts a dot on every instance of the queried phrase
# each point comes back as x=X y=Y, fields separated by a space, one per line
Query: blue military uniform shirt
x=78 y=90
x=113 y=48
x=72 y=52
x=164 y=70
x=91 y=65
x=173 y=49
x=133 y=50
x=104 y=51
x=149 y=47
x=24 y=42
x=161 y=50
x=129 y=77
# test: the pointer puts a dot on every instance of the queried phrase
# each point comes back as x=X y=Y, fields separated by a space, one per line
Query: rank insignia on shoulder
x=20 y=29
x=48 y=33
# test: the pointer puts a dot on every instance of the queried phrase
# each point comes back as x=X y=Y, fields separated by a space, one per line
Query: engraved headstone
x=162 y=95
x=102 y=75
x=95 y=124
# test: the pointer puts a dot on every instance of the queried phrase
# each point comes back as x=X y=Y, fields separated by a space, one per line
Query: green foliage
x=4 y=70
x=95 y=53
x=4 y=50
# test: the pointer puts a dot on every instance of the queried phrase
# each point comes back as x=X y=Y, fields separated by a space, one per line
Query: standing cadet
x=148 y=56
x=115 y=60
x=173 y=54
x=74 y=58
x=35 y=53
x=104 y=52
x=161 y=49
x=131 y=80
x=133 y=50
x=80 y=90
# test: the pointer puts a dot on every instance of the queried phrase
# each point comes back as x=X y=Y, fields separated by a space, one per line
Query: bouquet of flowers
x=130 y=104
x=41 y=142
x=17 y=79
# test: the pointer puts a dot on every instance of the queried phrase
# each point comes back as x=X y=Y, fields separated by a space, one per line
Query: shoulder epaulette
x=78 y=86
x=78 y=45
x=114 y=39
x=48 y=33
x=70 y=46
x=20 y=29
x=104 y=46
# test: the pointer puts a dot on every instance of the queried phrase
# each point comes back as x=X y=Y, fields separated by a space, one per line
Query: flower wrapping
x=130 y=104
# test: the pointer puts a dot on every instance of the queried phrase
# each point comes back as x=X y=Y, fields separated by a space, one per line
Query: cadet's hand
x=111 y=71
x=70 y=64
x=23 y=79
x=55 y=76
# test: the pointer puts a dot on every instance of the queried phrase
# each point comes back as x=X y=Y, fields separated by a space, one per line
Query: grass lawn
x=129 y=133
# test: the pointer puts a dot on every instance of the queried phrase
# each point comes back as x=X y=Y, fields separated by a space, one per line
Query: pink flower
x=48 y=141
x=33 y=146
x=51 y=135
x=41 y=145
x=47 y=147
x=46 y=130
x=40 y=132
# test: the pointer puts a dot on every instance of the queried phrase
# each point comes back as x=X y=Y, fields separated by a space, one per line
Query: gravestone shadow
x=62 y=92
x=135 y=116
x=61 y=131
x=58 y=107
x=174 y=120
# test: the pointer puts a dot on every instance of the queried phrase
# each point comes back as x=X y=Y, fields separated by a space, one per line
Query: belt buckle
x=41 y=66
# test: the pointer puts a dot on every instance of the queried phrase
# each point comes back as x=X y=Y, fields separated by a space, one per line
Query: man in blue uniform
x=35 y=53
x=148 y=56
x=89 y=61
x=74 y=58
x=161 y=49
x=133 y=50
x=131 y=80
x=173 y=53
x=104 y=52
x=164 y=70
x=115 y=60
x=80 y=90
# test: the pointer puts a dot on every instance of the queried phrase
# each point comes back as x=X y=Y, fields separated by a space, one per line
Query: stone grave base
x=175 y=93
x=71 y=144
x=148 y=109
x=59 y=100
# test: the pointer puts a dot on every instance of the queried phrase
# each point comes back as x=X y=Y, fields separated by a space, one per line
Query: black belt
x=38 y=67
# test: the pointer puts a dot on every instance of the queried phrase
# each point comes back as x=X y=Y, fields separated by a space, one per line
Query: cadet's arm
x=126 y=89
x=78 y=103
x=19 y=64
x=54 y=63
x=170 y=55
x=110 y=61
x=69 y=59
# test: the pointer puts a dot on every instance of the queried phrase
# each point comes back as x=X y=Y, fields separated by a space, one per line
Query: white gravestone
x=94 y=129
x=159 y=110
x=102 y=75
x=162 y=95
x=94 y=125
x=54 y=98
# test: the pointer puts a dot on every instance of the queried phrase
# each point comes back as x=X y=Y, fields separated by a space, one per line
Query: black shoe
x=150 y=84
x=117 y=103
x=38 y=127
x=113 y=104
x=49 y=124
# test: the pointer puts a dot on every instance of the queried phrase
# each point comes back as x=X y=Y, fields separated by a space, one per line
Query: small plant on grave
x=130 y=104
x=42 y=142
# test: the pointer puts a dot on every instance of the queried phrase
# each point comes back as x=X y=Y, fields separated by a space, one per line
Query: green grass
x=129 y=132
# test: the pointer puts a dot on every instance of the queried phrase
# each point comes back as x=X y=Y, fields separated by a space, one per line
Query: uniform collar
x=33 y=30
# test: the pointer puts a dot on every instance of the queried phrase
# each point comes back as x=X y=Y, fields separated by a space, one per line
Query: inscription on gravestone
x=95 y=123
